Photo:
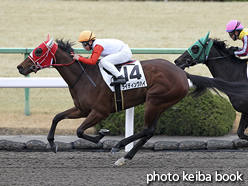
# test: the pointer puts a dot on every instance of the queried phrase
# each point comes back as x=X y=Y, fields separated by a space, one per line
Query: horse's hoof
x=120 y=162
x=104 y=131
x=55 y=148
x=114 y=150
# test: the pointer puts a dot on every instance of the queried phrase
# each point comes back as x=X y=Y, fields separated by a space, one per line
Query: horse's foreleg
x=92 y=119
x=72 y=113
x=243 y=124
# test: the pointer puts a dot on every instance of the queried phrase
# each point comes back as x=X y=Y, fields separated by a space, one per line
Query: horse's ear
x=48 y=37
x=206 y=38
x=49 y=44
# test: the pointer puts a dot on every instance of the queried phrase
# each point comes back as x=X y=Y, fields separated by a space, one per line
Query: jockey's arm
x=243 y=51
x=94 y=56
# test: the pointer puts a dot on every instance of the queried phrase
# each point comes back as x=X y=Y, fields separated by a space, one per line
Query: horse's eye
x=38 y=52
x=195 y=49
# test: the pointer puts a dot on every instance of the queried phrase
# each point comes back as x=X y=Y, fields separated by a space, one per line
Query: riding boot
x=118 y=80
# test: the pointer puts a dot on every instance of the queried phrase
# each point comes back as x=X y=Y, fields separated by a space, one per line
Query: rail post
x=129 y=126
x=27 y=93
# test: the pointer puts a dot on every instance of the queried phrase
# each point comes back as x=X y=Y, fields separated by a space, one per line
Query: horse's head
x=185 y=60
x=197 y=53
x=41 y=57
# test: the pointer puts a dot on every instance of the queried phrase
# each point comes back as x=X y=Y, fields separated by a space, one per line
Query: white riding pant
x=110 y=60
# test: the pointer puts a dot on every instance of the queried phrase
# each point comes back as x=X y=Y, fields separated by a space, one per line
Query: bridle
x=38 y=63
x=195 y=61
x=47 y=59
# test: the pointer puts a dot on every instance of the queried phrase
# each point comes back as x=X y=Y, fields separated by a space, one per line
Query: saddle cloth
x=132 y=71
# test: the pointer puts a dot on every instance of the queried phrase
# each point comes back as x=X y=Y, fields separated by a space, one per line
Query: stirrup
x=119 y=80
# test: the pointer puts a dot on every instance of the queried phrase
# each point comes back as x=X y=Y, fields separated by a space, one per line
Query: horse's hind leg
x=72 y=113
x=133 y=151
x=152 y=114
x=128 y=140
x=243 y=124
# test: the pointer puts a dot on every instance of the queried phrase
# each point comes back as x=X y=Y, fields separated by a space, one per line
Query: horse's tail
x=201 y=84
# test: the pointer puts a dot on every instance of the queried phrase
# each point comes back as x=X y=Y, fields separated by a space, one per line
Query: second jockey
x=237 y=31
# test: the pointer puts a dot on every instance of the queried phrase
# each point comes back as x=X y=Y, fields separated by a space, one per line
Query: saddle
x=119 y=102
x=133 y=72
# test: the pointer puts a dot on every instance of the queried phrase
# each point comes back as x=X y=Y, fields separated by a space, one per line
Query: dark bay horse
x=167 y=84
x=222 y=64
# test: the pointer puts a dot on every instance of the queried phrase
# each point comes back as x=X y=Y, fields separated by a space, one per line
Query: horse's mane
x=65 y=45
x=223 y=47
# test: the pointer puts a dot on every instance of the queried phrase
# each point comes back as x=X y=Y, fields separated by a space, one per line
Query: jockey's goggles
x=231 y=34
x=85 y=43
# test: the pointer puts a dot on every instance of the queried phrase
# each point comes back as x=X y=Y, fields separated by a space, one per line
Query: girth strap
x=119 y=102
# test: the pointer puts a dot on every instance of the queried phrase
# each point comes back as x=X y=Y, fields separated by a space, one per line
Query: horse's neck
x=74 y=73
x=69 y=73
x=227 y=70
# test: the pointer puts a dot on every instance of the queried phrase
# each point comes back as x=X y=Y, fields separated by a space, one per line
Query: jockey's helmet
x=233 y=26
x=86 y=35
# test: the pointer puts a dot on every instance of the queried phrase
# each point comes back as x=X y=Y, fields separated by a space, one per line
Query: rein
x=83 y=71
x=61 y=65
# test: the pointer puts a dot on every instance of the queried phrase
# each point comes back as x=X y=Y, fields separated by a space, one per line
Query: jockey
x=113 y=52
x=236 y=31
